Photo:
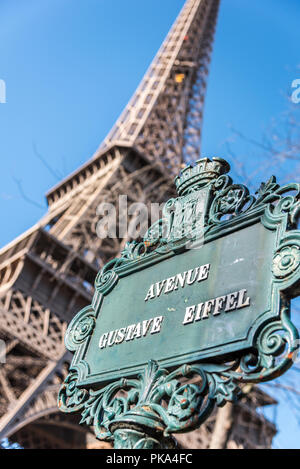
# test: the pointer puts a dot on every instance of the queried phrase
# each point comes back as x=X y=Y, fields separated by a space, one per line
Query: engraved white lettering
x=231 y=302
x=219 y=305
x=215 y=306
x=121 y=335
x=159 y=287
x=156 y=325
x=191 y=277
x=189 y=315
x=199 y=311
x=169 y=284
x=203 y=272
x=181 y=279
x=207 y=308
x=132 y=332
x=137 y=331
x=111 y=338
x=103 y=340
x=129 y=333
x=145 y=326
x=150 y=293
x=242 y=302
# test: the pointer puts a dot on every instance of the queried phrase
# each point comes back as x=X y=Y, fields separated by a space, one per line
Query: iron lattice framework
x=47 y=274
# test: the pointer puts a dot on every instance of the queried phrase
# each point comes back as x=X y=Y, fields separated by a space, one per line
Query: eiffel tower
x=47 y=274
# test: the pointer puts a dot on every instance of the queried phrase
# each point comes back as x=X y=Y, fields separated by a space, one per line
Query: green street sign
x=206 y=293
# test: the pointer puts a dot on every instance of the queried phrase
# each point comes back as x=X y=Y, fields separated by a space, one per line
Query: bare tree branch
x=54 y=173
x=25 y=197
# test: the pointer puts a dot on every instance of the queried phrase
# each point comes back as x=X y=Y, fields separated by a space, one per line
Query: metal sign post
x=181 y=319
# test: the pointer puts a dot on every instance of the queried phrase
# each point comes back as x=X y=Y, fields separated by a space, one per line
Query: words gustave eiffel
x=199 y=312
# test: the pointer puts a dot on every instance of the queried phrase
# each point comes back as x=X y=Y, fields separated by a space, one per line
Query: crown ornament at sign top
x=197 y=176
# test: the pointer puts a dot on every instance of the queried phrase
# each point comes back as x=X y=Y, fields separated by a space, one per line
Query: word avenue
x=182 y=279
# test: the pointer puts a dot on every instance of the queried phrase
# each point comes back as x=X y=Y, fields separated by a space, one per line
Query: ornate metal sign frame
x=159 y=400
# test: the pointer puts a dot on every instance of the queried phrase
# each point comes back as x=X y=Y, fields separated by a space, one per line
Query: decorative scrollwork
x=70 y=398
x=230 y=201
x=227 y=201
x=134 y=250
x=266 y=191
x=187 y=404
x=157 y=234
x=276 y=348
x=234 y=199
x=107 y=278
x=80 y=328
x=222 y=183
x=83 y=329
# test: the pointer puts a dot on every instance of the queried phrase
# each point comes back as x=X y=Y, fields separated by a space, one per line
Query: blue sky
x=70 y=66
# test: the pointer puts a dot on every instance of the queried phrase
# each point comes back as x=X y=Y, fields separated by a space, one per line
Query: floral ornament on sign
x=83 y=329
x=286 y=261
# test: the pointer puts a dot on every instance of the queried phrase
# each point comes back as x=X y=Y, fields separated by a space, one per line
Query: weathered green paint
x=240 y=260
x=255 y=248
